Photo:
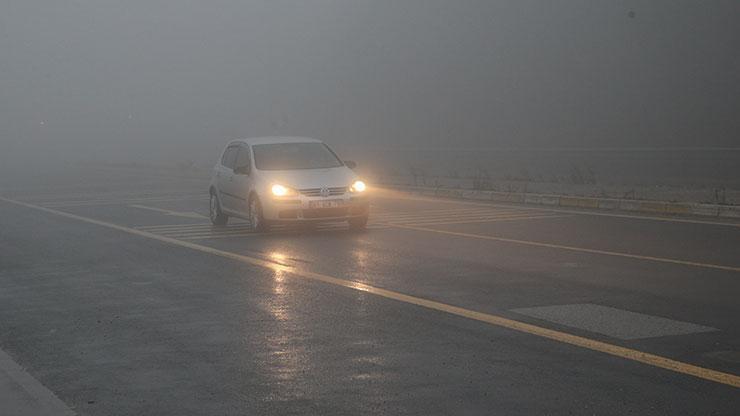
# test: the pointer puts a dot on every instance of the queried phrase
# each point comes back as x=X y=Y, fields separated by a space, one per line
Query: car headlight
x=280 y=190
x=358 y=186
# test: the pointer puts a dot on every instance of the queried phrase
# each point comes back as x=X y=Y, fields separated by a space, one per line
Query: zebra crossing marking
x=203 y=231
x=381 y=220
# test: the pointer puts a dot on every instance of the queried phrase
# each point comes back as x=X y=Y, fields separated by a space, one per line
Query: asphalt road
x=120 y=299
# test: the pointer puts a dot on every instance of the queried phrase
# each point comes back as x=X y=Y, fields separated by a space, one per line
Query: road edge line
x=49 y=402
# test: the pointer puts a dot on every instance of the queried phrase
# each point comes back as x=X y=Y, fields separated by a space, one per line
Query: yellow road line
x=493 y=204
x=569 y=248
x=583 y=342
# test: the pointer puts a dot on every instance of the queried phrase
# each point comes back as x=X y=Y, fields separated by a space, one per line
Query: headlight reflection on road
x=288 y=361
x=280 y=269
x=360 y=256
x=278 y=257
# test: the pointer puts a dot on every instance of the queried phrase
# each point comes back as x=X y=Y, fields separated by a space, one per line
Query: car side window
x=242 y=164
x=229 y=157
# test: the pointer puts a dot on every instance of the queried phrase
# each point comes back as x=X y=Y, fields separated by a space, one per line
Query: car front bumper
x=303 y=209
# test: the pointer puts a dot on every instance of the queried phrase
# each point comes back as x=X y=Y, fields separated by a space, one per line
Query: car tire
x=214 y=212
x=256 y=218
x=359 y=223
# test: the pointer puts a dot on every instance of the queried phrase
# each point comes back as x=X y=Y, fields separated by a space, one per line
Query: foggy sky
x=143 y=79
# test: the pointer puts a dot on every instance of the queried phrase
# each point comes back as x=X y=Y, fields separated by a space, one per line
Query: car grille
x=335 y=191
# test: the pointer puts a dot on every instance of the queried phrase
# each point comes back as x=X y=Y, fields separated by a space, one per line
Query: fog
x=446 y=85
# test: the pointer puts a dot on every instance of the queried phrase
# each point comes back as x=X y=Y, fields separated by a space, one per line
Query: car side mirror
x=241 y=170
x=350 y=164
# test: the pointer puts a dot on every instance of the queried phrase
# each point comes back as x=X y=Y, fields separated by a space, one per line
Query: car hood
x=311 y=178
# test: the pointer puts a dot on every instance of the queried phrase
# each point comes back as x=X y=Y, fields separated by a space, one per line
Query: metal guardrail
x=631 y=205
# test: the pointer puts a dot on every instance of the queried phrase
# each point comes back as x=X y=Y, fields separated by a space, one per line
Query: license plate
x=332 y=203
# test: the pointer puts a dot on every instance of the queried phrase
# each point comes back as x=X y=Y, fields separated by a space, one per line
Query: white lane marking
x=165 y=226
x=208 y=231
x=216 y=237
x=446 y=214
x=566 y=247
x=567 y=211
x=274 y=233
x=616 y=323
x=88 y=203
x=208 y=228
x=276 y=229
x=75 y=197
x=499 y=219
x=456 y=216
x=454 y=220
x=22 y=394
x=449 y=217
x=377 y=221
x=428 y=212
x=177 y=234
x=188 y=214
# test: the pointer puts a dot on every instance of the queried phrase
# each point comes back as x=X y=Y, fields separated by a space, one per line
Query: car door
x=225 y=179
x=242 y=179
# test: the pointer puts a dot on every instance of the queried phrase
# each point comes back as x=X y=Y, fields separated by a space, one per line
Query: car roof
x=275 y=139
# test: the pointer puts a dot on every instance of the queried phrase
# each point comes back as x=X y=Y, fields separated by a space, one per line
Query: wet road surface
x=118 y=296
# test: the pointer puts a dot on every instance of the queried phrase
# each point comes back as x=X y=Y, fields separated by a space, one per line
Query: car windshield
x=288 y=156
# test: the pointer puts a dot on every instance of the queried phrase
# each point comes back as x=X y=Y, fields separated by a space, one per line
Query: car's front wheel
x=256 y=216
x=215 y=213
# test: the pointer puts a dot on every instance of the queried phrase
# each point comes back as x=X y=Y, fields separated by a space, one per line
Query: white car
x=273 y=180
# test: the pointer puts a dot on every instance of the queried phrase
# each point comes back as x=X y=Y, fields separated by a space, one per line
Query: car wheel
x=256 y=218
x=358 y=223
x=215 y=213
